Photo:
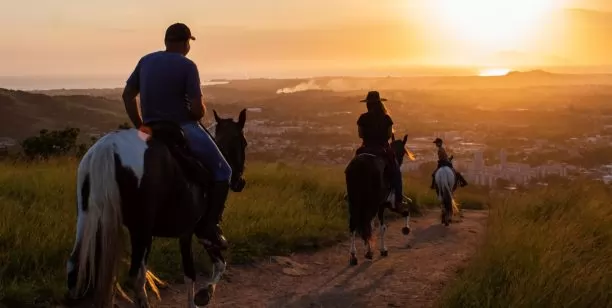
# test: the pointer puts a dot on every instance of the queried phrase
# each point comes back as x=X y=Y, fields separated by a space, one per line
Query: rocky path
x=413 y=275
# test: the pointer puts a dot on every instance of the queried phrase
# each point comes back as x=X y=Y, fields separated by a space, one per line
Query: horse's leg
x=353 y=249
x=154 y=282
x=383 y=229
x=188 y=268
x=448 y=206
x=205 y=295
x=352 y=234
x=406 y=228
x=368 y=243
x=138 y=269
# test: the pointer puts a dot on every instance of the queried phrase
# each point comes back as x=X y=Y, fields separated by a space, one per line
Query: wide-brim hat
x=373 y=96
x=438 y=140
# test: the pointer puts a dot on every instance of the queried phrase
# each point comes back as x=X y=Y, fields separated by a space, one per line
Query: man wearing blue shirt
x=169 y=87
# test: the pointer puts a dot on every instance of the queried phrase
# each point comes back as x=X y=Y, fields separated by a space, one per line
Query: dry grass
x=545 y=249
x=282 y=209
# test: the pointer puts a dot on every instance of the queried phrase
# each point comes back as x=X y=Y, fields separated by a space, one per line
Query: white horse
x=445 y=181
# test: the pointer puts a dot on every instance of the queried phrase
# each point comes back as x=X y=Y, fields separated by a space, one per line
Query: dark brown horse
x=150 y=184
x=369 y=193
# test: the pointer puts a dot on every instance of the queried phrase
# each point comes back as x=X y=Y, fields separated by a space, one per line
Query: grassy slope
x=282 y=209
x=546 y=249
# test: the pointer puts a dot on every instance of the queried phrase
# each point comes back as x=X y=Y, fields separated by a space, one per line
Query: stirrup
x=214 y=238
x=219 y=242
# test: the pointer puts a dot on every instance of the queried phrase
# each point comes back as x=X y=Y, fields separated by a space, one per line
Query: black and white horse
x=133 y=179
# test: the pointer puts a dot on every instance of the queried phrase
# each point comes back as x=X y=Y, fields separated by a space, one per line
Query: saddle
x=173 y=137
x=383 y=153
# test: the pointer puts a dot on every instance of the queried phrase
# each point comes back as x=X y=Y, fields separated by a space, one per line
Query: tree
x=51 y=143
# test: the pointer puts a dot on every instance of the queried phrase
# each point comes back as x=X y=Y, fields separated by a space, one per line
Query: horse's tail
x=361 y=185
x=446 y=189
x=101 y=247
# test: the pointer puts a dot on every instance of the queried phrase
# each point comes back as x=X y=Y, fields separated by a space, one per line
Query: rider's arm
x=194 y=93
x=360 y=124
x=389 y=127
x=442 y=154
x=131 y=90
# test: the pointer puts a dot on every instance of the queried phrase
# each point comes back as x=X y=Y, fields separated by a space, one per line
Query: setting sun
x=493 y=72
x=492 y=25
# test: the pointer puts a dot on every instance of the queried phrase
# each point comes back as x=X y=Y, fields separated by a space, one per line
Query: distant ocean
x=96 y=82
x=28 y=83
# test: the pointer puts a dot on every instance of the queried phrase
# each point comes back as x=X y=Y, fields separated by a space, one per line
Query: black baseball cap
x=178 y=32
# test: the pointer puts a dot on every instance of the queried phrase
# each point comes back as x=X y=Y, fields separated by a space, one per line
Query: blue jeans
x=205 y=149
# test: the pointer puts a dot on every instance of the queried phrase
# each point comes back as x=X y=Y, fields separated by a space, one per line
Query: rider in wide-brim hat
x=375 y=129
x=373 y=96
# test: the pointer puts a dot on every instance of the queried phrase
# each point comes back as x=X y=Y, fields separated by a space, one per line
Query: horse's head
x=232 y=143
x=399 y=148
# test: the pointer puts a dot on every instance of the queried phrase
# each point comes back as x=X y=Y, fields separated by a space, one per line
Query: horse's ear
x=242 y=118
x=392 y=137
x=217 y=118
x=405 y=139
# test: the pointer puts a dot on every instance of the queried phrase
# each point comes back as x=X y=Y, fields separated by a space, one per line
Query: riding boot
x=433 y=182
x=397 y=185
x=216 y=205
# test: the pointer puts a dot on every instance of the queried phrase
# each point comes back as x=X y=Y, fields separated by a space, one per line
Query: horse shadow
x=428 y=235
x=339 y=295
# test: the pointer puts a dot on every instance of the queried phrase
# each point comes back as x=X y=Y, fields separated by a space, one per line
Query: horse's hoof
x=72 y=301
x=405 y=230
x=384 y=253
x=369 y=255
x=353 y=260
x=142 y=303
x=204 y=296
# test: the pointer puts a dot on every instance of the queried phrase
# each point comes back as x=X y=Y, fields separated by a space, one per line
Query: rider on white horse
x=444 y=160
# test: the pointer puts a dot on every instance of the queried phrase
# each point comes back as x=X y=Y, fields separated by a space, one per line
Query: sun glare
x=494 y=72
x=492 y=24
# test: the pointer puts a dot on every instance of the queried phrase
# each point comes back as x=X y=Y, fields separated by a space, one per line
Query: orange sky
x=63 y=37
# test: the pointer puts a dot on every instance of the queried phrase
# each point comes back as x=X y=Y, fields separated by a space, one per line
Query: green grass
x=282 y=209
x=543 y=249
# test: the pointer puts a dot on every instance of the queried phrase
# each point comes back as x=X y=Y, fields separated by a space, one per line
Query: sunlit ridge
x=494 y=72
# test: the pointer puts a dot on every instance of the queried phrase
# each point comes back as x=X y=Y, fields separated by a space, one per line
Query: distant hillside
x=534 y=73
x=23 y=114
x=322 y=109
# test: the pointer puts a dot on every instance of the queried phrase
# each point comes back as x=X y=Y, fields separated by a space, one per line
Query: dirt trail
x=413 y=275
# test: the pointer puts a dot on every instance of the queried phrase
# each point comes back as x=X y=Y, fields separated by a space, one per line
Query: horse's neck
x=212 y=129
